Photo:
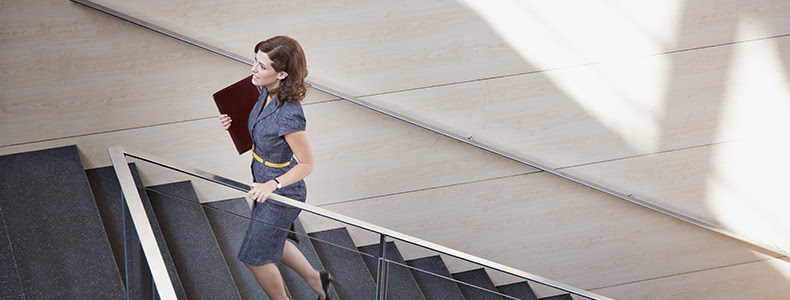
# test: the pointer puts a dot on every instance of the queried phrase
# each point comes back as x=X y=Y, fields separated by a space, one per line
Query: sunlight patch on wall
x=748 y=190
x=596 y=53
x=625 y=96
x=562 y=33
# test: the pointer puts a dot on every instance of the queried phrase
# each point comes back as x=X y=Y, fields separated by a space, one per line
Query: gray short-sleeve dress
x=272 y=157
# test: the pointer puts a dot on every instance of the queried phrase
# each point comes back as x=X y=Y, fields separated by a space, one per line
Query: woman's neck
x=273 y=87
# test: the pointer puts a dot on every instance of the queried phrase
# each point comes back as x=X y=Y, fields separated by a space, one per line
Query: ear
x=282 y=75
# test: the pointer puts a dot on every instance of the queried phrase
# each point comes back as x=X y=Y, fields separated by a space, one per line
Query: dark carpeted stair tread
x=193 y=246
x=352 y=278
x=480 y=283
x=401 y=283
x=558 y=297
x=432 y=286
x=109 y=200
x=520 y=290
x=236 y=207
x=54 y=229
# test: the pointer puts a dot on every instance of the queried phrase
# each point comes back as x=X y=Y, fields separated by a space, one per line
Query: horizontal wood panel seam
x=644 y=155
x=428 y=188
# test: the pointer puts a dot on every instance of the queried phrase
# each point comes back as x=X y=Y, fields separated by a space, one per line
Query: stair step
x=193 y=246
x=54 y=229
x=118 y=225
x=352 y=278
x=432 y=286
x=401 y=283
x=520 y=290
x=480 y=282
x=109 y=200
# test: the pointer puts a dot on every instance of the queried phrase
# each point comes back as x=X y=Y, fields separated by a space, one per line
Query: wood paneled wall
x=682 y=103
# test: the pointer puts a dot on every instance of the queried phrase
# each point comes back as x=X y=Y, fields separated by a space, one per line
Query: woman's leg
x=268 y=276
x=294 y=259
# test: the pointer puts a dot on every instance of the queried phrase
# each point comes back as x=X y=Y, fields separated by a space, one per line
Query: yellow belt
x=268 y=163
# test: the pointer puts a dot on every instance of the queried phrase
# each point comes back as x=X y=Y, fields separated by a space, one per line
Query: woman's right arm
x=225 y=120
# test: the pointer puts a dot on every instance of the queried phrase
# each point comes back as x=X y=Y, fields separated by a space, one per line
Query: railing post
x=153 y=255
x=381 y=277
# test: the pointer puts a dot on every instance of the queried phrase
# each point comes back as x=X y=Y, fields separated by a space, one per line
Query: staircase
x=66 y=234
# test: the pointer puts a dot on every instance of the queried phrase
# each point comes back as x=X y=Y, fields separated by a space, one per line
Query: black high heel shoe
x=326 y=279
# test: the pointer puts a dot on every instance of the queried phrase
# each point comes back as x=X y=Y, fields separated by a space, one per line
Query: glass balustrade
x=198 y=221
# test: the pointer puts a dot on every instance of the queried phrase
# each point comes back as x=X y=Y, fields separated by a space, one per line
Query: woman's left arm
x=300 y=145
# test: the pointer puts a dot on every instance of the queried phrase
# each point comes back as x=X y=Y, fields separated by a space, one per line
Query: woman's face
x=263 y=74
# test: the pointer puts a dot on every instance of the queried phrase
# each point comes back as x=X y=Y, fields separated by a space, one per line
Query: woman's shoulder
x=291 y=118
x=292 y=108
x=291 y=112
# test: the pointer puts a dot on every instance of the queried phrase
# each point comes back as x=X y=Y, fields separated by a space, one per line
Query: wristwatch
x=279 y=185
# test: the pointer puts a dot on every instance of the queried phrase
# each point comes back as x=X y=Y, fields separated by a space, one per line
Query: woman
x=277 y=126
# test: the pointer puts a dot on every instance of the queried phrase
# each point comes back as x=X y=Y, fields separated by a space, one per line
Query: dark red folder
x=237 y=101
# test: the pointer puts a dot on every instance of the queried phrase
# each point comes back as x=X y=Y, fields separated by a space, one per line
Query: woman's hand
x=225 y=120
x=261 y=191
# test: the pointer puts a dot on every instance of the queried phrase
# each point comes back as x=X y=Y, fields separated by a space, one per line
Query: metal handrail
x=130 y=192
